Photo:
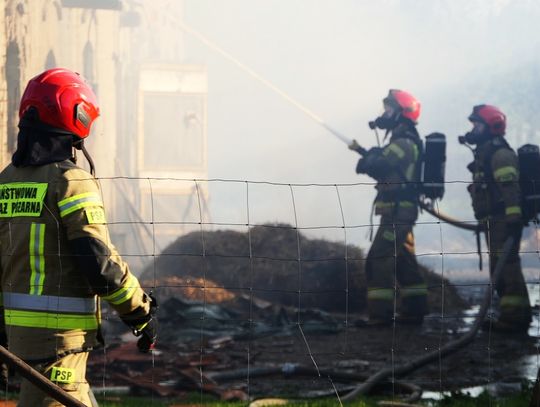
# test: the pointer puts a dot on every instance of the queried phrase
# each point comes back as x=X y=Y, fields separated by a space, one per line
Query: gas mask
x=478 y=135
x=387 y=121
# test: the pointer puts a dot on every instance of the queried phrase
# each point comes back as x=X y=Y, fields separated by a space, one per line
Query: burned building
x=153 y=126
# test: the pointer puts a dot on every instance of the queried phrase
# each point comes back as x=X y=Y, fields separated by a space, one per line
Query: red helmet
x=63 y=100
x=491 y=116
x=409 y=105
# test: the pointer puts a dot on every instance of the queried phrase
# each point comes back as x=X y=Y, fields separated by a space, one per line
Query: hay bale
x=285 y=267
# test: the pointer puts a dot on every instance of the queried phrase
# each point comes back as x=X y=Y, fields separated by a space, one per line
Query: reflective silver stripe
x=49 y=303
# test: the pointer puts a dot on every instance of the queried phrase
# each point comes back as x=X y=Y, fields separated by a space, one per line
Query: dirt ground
x=491 y=358
x=271 y=365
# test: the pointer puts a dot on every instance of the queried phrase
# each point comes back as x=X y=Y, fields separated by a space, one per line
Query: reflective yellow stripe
x=508 y=173
x=513 y=210
x=141 y=326
x=402 y=204
x=22 y=199
x=34 y=319
x=37 y=259
x=384 y=204
x=388 y=235
x=124 y=293
x=414 y=290
x=386 y=294
x=393 y=148
x=514 y=301
x=76 y=202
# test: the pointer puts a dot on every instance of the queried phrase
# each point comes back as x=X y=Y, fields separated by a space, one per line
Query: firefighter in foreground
x=56 y=254
x=391 y=257
x=496 y=201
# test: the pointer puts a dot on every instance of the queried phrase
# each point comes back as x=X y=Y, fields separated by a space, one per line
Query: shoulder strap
x=492 y=148
x=412 y=134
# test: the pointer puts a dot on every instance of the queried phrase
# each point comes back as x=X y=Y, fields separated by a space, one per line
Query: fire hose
x=476 y=227
x=291 y=369
x=447 y=349
x=38 y=379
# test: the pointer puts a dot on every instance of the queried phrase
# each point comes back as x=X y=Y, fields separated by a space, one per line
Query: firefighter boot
x=381 y=313
x=414 y=308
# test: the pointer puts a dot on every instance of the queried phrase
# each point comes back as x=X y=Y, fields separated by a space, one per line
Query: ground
x=297 y=363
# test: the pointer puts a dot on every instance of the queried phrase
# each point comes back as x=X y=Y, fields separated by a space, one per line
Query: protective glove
x=148 y=336
x=354 y=145
x=367 y=164
x=144 y=327
x=148 y=331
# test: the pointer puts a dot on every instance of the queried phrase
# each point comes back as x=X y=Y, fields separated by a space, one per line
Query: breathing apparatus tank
x=433 y=166
x=529 y=180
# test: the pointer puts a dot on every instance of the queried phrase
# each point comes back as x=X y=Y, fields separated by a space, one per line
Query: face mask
x=473 y=137
x=477 y=135
x=387 y=121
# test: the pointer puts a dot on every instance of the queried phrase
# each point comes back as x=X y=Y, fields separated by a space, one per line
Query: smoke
x=339 y=59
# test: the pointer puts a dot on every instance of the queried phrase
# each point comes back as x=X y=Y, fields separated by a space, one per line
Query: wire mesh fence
x=263 y=291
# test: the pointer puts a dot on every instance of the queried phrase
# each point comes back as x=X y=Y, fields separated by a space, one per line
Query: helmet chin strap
x=79 y=145
x=89 y=159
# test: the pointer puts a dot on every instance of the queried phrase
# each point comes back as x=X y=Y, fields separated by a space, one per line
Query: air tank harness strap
x=479 y=244
x=371 y=220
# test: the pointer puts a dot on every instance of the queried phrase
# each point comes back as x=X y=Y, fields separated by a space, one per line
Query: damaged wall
x=112 y=43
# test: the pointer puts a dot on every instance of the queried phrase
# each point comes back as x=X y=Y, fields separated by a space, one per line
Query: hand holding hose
x=357 y=147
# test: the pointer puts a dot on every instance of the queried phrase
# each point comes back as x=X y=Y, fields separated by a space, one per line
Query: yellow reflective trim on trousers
x=124 y=293
x=402 y=204
x=512 y=301
x=513 y=210
x=507 y=173
x=393 y=148
x=414 y=290
x=76 y=202
x=37 y=259
x=385 y=294
x=47 y=320
x=388 y=235
x=384 y=204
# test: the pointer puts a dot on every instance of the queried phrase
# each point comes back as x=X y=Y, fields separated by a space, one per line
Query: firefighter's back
x=48 y=306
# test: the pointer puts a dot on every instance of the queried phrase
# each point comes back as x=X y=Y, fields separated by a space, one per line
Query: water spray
x=264 y=81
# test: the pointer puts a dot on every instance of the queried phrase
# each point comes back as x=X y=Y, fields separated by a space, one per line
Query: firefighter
x=496 y=201
x=56 y=253
x=391 y=260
